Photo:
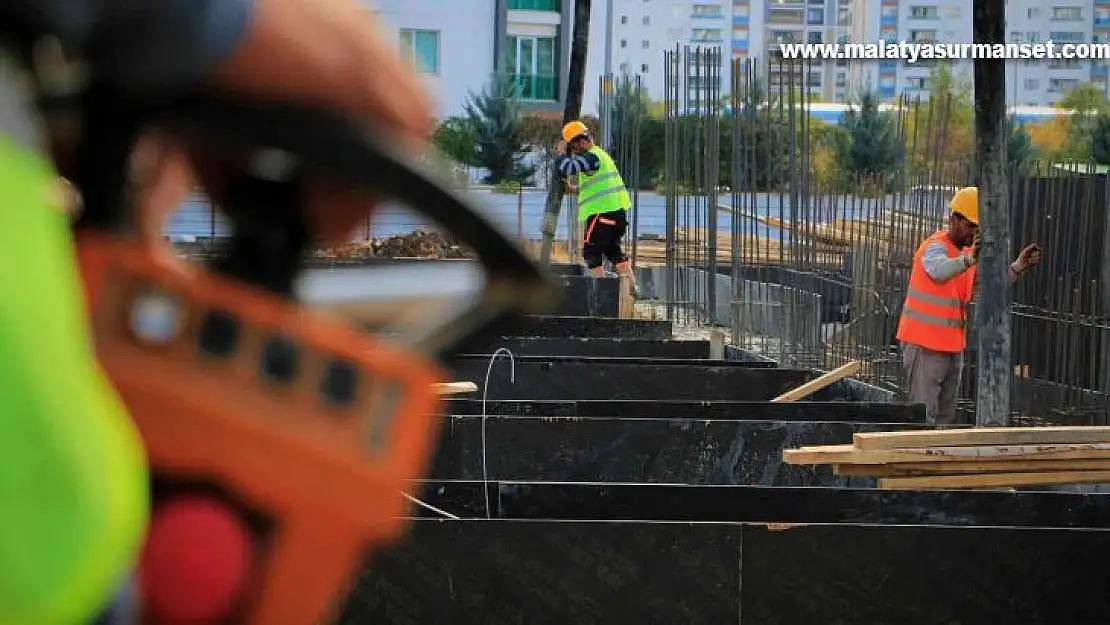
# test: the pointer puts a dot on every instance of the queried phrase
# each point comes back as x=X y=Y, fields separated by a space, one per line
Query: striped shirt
x=941 y=267
x=571 y=166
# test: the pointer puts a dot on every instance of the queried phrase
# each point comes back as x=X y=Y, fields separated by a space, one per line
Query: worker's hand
x=561 y=147
x=571 y=188
x=1029 y=257
x=976 y=247
x=323 y=53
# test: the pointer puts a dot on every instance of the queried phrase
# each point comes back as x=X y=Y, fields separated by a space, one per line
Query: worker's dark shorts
x=602 y=238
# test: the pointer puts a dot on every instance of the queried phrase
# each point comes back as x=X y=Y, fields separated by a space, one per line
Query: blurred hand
x=1030 y=256
x=321 y=53
x=561 y=147
x=976 y=248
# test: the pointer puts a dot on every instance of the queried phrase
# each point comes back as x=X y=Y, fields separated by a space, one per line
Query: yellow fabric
x=73 y=481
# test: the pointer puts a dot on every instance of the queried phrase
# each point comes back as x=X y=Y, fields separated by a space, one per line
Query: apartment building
x=459 y=46
x=1029 y=83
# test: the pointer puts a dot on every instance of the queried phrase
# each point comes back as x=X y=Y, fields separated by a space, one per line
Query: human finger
x=330 y=53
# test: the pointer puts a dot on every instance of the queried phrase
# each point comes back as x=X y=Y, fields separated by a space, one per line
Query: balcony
x=535 y=87
x=536 y=5
x=1102 y=21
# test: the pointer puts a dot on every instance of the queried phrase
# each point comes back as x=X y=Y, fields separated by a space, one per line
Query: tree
x=455 y=138
x=941 y=131
x=1020 y=151
x=576 y=82
x=1100 y=139
x=870 y=146
x=1085 y=103
x=495 y=118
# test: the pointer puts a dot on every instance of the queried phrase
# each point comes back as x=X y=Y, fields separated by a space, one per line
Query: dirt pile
x=418 y=244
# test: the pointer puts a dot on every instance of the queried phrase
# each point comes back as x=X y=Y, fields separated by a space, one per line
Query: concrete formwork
x=648 y=489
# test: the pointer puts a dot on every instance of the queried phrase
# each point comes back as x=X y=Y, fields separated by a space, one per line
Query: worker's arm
x=941 y=267
x=570 y=166
x=142 y=45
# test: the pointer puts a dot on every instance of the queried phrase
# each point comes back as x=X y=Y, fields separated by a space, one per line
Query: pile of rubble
x=418 y=244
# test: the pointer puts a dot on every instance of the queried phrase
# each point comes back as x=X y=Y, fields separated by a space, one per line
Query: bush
x=507 y=187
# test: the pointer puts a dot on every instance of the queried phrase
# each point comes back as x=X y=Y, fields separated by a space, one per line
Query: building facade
x=1029 y=83
x=459 y=46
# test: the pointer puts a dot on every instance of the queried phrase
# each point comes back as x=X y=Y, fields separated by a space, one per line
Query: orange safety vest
x=935 y=313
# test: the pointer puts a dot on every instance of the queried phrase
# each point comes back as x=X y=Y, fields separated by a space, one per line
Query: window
x=923 y=36
x=1032 y=84
x=814 y=79
x=1064 y=64
x=624 y=68
x=707 y=34
x=1016 y=36
x=644 y=68
x=420 y=49
x=841 y=81
x=1062 y=85
x=647 y=20
x=645 y=44
x=1065 y=36
x=531 y=60
x=1033 y=36
x=624 y=43
x=814 y=36
x=1067 y=14
x=815 y=16
x=915 y=84
x=923 y=13
x=707 y=10
x=843 y=17
x=624 y=19
x=783 y=36
x=1033 y=13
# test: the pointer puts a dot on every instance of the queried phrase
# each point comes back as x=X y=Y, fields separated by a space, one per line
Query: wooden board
x=848 y=454
x=989 y=480
x=811 y=387
x=961 y=467
x=455 y=388
x=981 y=436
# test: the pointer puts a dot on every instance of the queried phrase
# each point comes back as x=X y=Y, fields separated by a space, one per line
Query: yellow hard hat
x=574 y=129
x=966 y=203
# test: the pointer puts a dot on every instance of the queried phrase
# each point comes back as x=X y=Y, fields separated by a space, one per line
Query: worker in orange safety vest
x=933 y=327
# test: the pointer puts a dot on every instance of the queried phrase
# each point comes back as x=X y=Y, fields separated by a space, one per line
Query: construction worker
x=603 y=200
x=73 y=481
x=933 y=327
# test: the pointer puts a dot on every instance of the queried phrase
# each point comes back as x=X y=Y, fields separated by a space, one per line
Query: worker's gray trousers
x=933 y=379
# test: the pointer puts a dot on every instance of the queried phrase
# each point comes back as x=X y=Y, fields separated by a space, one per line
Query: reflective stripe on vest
x=934 y=315
x=602 y=191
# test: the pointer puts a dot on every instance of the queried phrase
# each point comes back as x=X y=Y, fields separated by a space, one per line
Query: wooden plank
x=817 y=384
x=959 y=467
x=455 y=388
x=989 y=480
x=981 y=436
x=847 y=454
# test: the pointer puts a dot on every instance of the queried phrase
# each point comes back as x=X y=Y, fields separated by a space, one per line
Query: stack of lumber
x=969 y=458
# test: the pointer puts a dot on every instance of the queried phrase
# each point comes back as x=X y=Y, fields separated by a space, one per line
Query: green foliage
x=1021 y=154
x=507 y=187
x=870 y=146
x=1100 y=139
x=456 y=139
x=499 y=142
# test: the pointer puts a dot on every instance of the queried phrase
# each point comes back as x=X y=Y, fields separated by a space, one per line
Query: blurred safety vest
x=934 y=315
x=602 y=191
x=73 y=480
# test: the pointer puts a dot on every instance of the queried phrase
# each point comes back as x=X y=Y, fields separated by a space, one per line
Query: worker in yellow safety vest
x=933 y=327
x=603 y=200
